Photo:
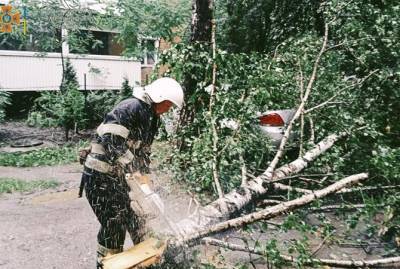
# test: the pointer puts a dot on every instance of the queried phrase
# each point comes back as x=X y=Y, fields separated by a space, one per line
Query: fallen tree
x=189 y=232
x=233 y=202
x=268 y=213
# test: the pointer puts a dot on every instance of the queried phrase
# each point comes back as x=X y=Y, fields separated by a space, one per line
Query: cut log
x=142 y=255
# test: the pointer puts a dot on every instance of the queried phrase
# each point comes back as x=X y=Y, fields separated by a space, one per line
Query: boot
x=104 y=252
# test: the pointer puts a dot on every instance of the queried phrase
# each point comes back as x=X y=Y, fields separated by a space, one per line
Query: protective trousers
x=108 y=196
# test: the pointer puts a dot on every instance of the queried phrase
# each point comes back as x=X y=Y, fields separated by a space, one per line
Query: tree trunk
x=189 y=231
x=189 y=234
x=201 y=20
x=236 y=200
x=201 y=25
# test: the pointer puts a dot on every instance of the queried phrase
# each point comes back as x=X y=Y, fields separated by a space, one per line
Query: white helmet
x=165 y=89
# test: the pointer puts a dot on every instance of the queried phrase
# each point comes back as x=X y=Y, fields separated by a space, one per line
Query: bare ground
x=47 y=229
x=55 y=228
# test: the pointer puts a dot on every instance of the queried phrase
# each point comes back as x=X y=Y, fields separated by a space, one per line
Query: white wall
x=26 y=71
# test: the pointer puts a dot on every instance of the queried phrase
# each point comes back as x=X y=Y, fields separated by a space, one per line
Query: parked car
x=273 y=122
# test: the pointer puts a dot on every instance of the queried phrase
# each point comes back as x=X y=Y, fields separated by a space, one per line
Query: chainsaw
x=147 y=204
x=143 y=198
x=145 y=201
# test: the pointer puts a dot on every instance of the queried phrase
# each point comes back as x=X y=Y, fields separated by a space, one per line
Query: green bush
x=41 y=157
x=37 y=118
x=57 y=109
x=10 y=185
x=4 y=101
x=70 y=80
x=64 y=108
x=126 y=90
x=100 y=103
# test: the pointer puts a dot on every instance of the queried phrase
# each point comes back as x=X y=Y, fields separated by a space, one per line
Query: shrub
x=10 y=185
x=99 y=103
x=4 y=101
x=57 y=109
x=102 y=102
x=64 y=108
x=126 y=90
x=45 y=156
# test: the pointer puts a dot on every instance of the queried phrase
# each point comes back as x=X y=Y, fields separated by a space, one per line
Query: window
x=93 y=42
x=149 y=51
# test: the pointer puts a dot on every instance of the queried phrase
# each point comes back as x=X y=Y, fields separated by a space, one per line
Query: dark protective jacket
x=124 y=138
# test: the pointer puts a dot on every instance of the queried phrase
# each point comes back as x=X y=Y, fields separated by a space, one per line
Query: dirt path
x=61 y=173
x=54 y=228
x=47 y=229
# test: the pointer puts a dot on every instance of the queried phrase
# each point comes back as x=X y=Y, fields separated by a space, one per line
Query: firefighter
x=122 y=145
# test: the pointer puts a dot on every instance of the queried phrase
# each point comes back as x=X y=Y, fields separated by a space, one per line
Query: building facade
x=100 y=68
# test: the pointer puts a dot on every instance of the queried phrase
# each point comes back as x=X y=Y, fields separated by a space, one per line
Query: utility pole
x=84 y=91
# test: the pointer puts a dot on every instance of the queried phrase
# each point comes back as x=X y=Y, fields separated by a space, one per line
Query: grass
x=10 y=185
x=41 y=157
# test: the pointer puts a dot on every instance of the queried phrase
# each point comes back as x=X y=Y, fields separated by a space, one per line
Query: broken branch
x=329 y=262
x=338 y=92
x=268 y=173
x=273 y=211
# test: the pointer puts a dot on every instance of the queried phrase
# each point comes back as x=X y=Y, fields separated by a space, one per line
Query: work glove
x=143 y=199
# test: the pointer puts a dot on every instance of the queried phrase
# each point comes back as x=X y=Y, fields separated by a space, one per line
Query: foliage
x=384 y=163
x=10 y=185
x=101 y=102
x=4 y=101
x=133 y=20
x=138 y=19
x=366 y=42
x=64 y=108
x=54 y=109
x=359 y=73
x=40 y=119
x=46 y=18
x=260 y=26
x=240 y=77
x=70 y=80
x=126 y=90
x=272 y=254
x=248 y=84
x=40 y=157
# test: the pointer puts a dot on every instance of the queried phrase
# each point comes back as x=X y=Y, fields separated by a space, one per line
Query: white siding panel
x=27 y=71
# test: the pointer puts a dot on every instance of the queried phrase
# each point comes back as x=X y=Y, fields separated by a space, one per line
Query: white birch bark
x=188 y=234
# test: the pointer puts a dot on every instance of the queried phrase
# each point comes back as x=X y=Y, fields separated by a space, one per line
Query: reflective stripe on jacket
x=124 y=136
